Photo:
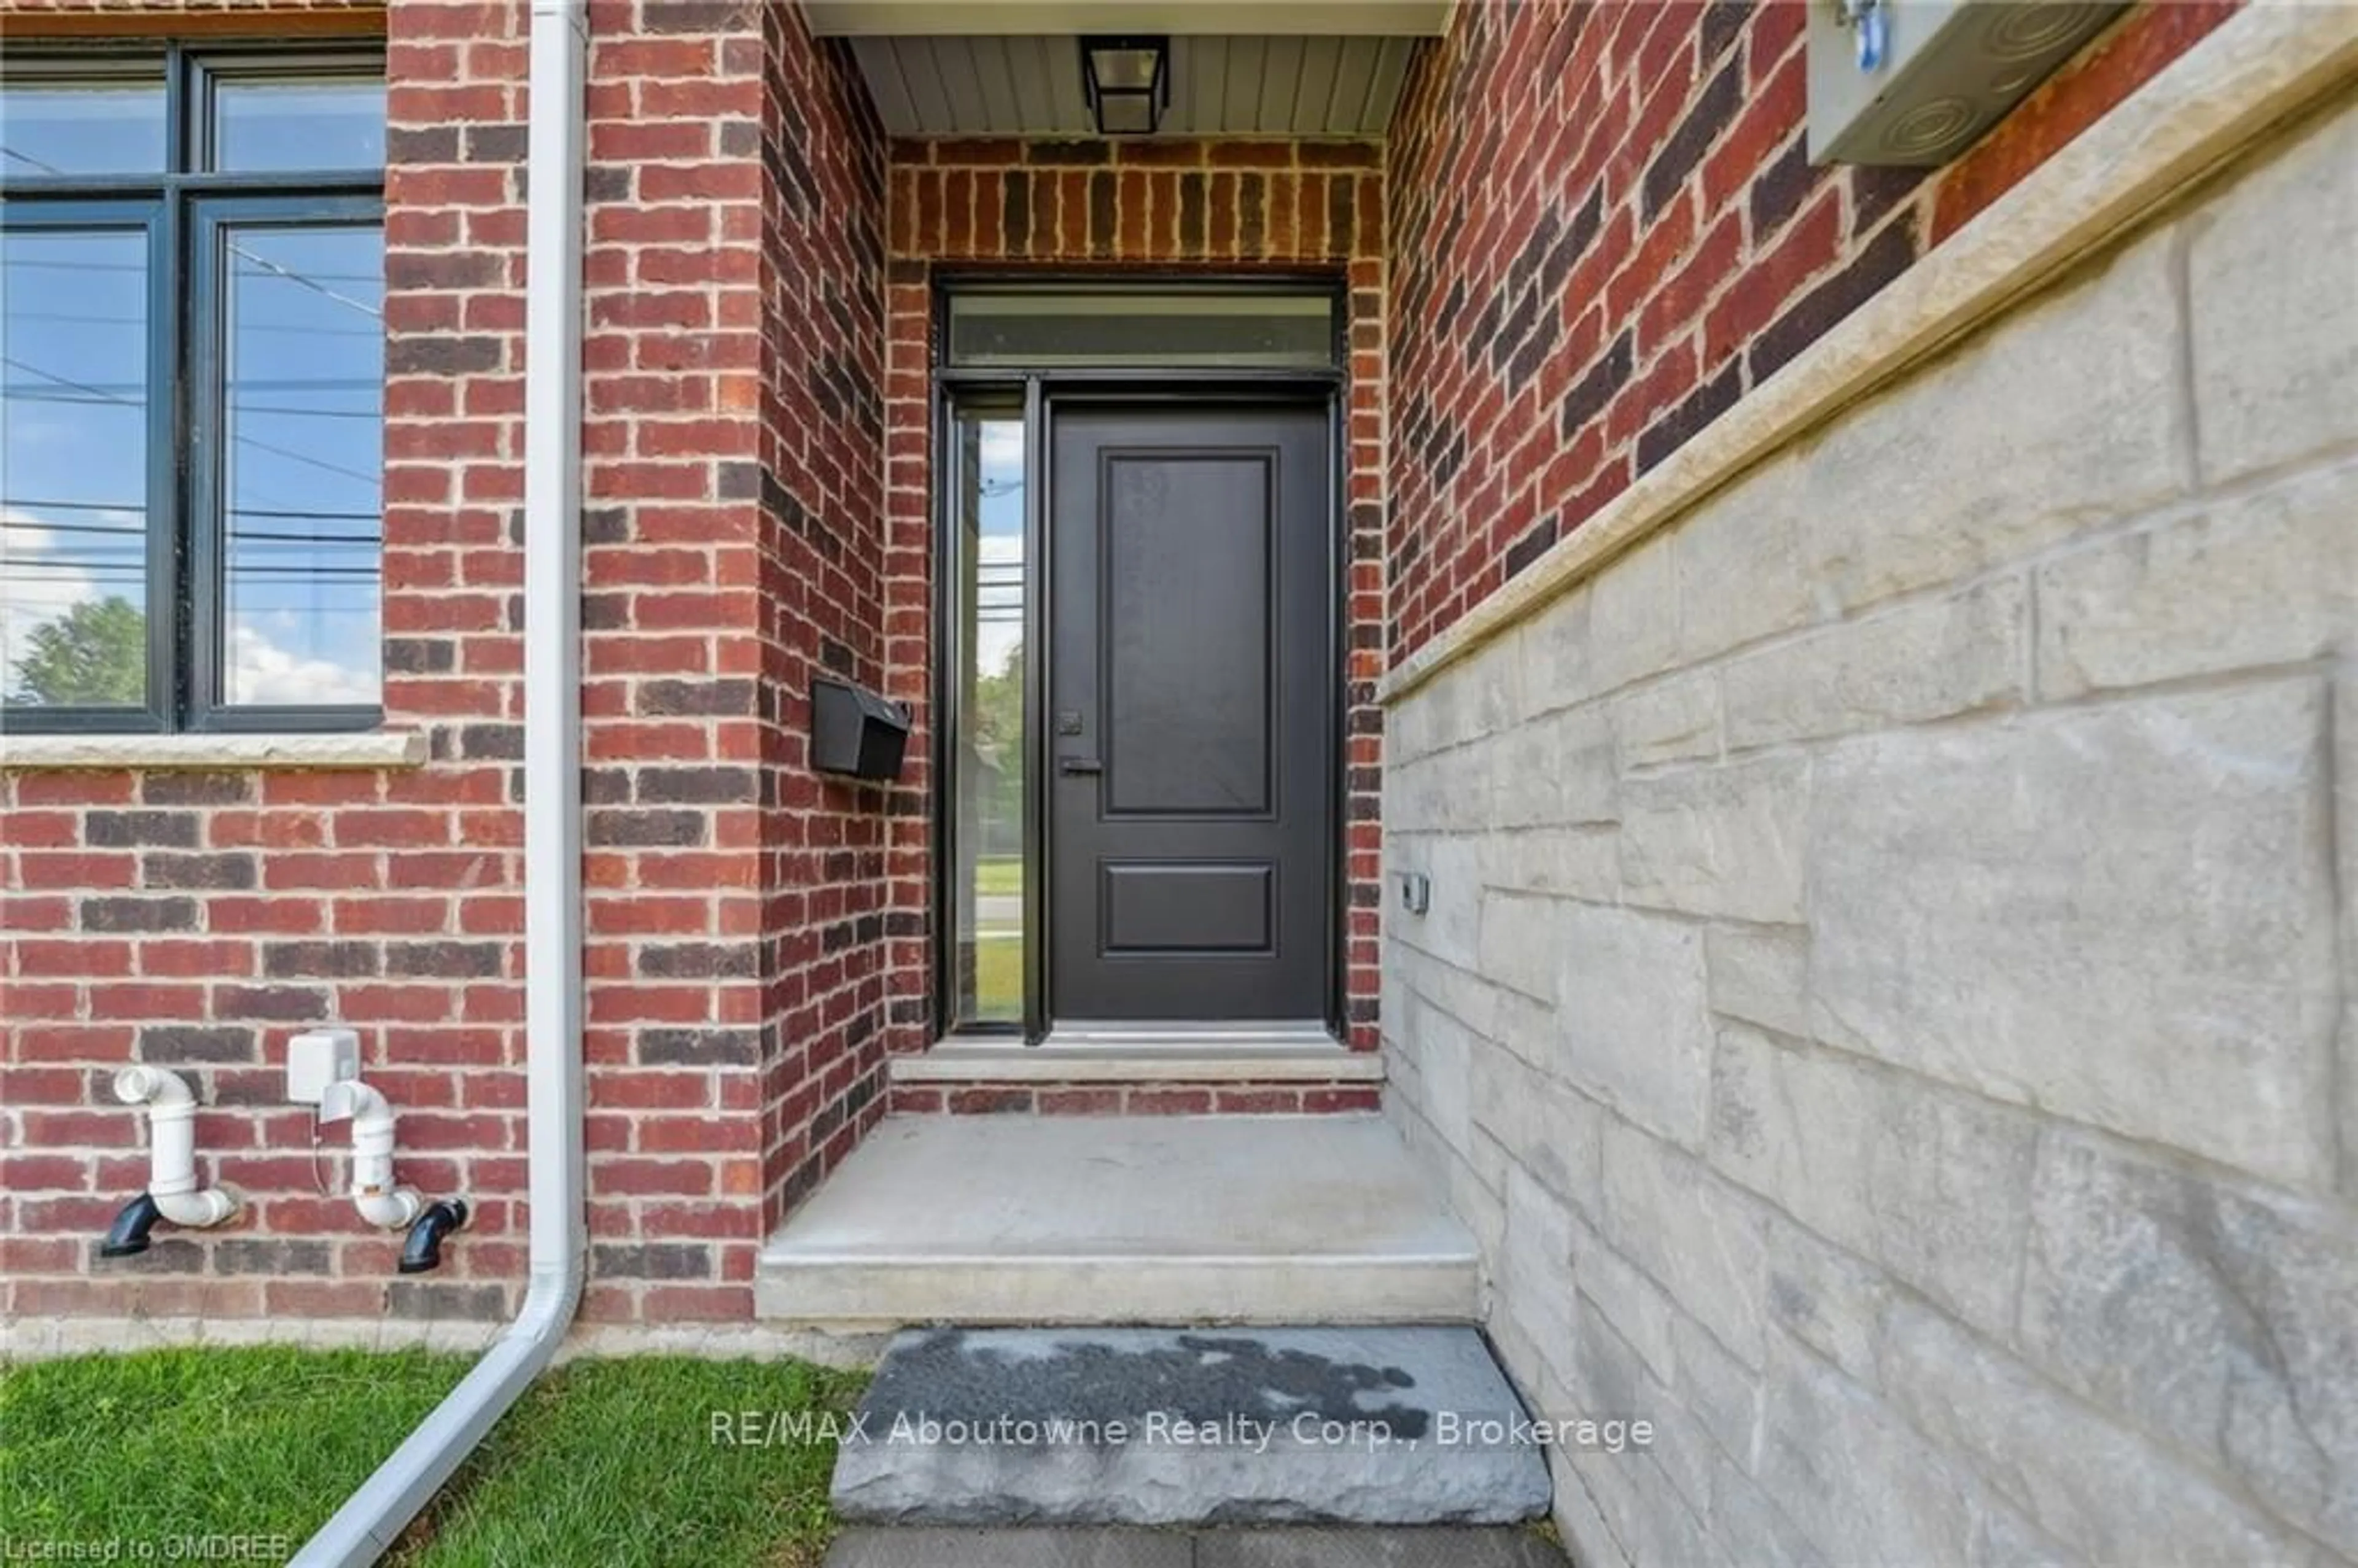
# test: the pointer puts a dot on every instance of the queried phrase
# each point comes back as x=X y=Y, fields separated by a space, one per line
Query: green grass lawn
x=999 y=977
x=610 y=1462
x=999 y=877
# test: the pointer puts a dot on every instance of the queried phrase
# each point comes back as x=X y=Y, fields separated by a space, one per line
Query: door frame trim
x=1327 y=389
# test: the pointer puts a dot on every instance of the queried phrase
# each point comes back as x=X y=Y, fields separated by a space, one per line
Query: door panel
x=1187 y=570
x=1188 y=908
x=1191 y=832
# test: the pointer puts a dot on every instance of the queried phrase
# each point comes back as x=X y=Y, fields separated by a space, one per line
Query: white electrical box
x=1416 y=891
x=317 y=1057
x=1915 y=81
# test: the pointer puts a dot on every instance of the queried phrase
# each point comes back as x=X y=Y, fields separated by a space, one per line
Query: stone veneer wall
x=1884 y=1004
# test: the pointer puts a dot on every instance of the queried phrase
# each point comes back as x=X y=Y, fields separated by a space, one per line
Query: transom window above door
x=191 y=389
x=1078 y=326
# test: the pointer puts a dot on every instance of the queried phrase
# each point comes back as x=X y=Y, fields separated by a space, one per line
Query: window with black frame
x=192 y=390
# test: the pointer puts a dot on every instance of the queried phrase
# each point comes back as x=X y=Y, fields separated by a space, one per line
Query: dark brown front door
x=1190 y=718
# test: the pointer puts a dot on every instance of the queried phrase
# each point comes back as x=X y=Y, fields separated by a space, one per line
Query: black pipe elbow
x=422 y=1250
x=127 y=1237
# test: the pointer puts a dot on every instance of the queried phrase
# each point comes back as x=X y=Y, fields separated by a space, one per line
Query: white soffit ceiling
x=1044 y=18
x=1030 y=84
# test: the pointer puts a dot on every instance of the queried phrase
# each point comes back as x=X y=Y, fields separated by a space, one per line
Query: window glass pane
x=1139 y=328
x=299 y=123
x=73 y=468
x=302 y=464
x=82 y=127
x=993 y=578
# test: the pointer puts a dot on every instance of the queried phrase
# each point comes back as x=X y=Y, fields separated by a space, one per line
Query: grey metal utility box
x=1949 y=70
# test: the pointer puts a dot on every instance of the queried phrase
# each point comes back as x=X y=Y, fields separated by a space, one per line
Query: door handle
x=1079 y=766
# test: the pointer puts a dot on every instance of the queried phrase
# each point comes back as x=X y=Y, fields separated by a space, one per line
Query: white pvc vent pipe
x=172 y=1147
x=380 y=1201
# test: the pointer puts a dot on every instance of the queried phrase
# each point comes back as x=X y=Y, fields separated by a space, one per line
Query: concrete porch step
x=1105 y=1053
x=1022 y=1219
x=1395 y=1425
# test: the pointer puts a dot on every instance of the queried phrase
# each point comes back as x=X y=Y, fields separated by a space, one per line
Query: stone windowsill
x=361 y=748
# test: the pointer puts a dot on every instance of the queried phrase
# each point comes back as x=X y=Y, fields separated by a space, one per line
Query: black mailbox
x=856 y=732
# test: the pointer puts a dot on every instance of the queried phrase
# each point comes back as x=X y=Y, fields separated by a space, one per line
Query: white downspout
x=172 y=1147
x=370 y=1520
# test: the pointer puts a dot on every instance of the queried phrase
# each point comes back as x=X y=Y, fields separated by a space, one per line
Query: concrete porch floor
x=1024 y=1220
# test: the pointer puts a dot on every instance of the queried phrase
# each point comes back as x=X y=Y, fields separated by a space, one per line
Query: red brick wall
x=828 y=844
x=732 y=518
x=1067 y=206
x=199 y=919
x=734 y=486
x=1608 y=232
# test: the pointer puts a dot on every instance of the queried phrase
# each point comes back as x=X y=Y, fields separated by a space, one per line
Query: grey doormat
x=1169 y=1426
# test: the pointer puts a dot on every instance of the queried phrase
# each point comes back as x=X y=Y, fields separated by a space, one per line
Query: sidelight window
x=992 y=574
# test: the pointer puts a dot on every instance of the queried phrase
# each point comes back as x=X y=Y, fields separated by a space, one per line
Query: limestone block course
x=1719 y=1394
x=1552 y=650
x=1718 y=840
x=1580 y=861
x=2063 y=416
x=1556 y=1136
x=1633 y=616
x=1742 y=573
x=1534 y=1269
x=1519 y=948
x=2221 y=1314
x=2345 y=840
x=2263 y=578
x=2272 y=265
x=2090 y=1485
x=1555 y=770
x=1700 y=1239
x=1643 y=1509
x=1742 y=1510
x=1760 y=974
x=1934 y=1186
x=1632 y=1023
x=2115 y=914
x=1925 y=660
x=1451 y=926
x=1858 y=1481
x=1826 y=1299
x=1672 y=721
x=1618 y=1292
x=1584 y=1531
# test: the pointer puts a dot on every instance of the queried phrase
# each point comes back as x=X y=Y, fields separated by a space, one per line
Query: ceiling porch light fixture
x=1128 y=82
